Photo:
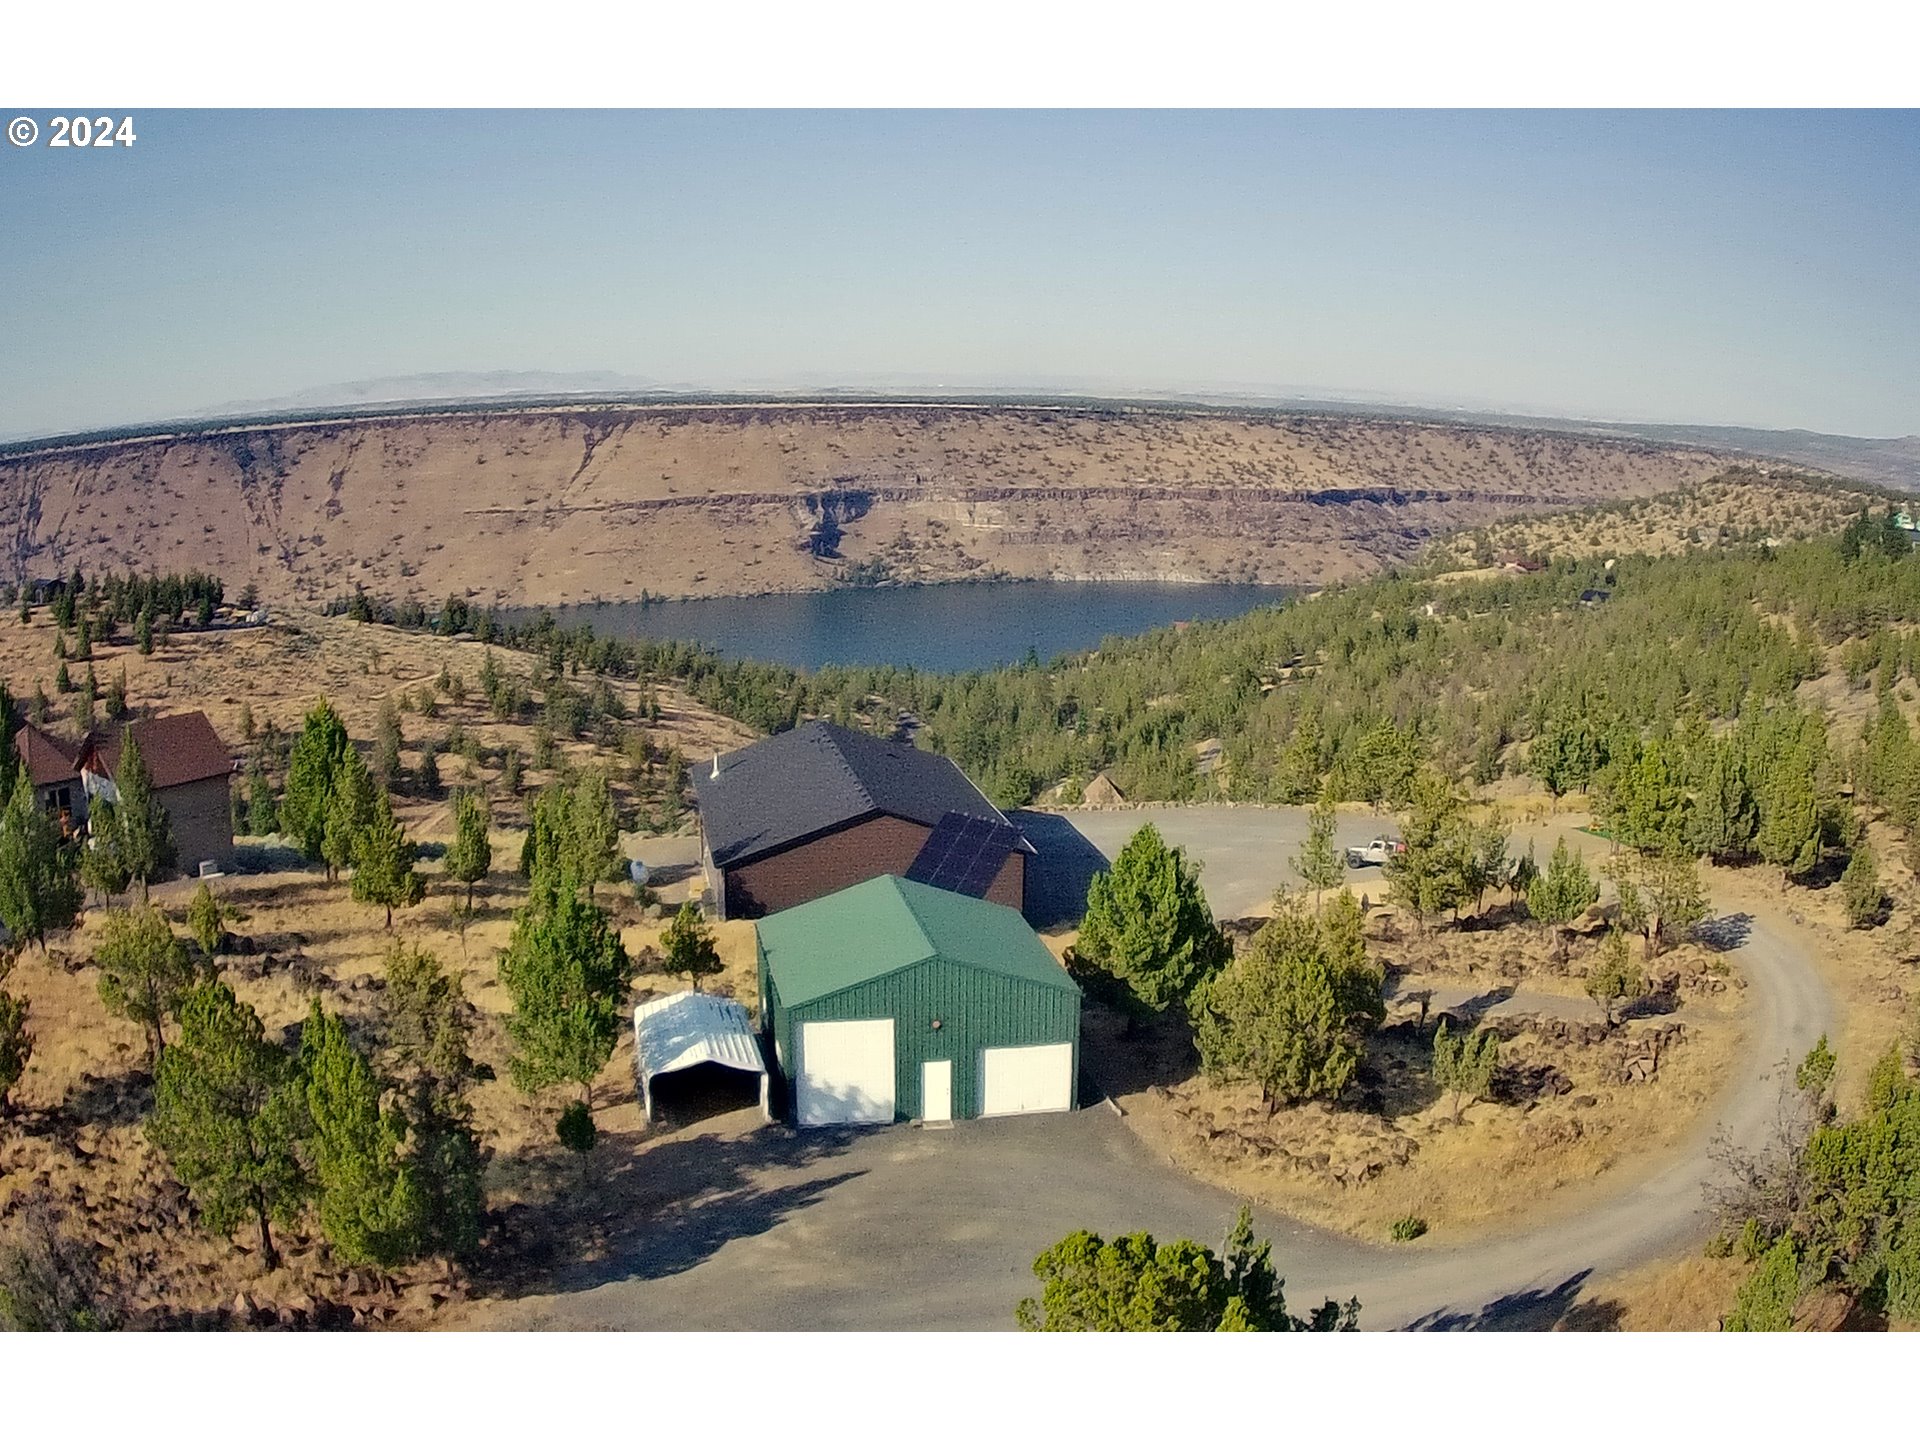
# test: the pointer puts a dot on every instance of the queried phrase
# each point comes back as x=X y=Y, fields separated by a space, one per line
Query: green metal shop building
x=892 y=1000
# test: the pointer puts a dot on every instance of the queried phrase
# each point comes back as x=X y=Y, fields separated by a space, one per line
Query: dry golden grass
x=80 y=1105
x=1690 y=1293
x=1713 y=512
x=1523 y=1160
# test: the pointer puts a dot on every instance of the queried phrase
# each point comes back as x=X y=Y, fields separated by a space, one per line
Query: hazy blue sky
x=1749 y=268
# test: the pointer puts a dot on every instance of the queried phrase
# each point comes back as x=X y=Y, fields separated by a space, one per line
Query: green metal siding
x=978 y=1010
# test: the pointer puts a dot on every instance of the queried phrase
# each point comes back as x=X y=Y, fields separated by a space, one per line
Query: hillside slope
x=568 y=503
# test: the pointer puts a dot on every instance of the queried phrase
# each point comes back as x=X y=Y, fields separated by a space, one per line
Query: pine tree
x=228 y=1114
x=371 y=1208
x=146 y=974
x=1318 y=863
x=383 y=860
x=62 y=681
x=470 y=855
x=311 y=771
x=146 y=834
x=39 y=891
x=1148 y=924
x=688 y=946
x=143 y=631
x=1464 y=1065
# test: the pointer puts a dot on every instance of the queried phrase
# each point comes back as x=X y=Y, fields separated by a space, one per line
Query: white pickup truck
x=1376 y=851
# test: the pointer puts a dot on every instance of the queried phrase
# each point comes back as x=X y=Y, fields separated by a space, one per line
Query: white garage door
x=1020 y=1078
x=846 y=1073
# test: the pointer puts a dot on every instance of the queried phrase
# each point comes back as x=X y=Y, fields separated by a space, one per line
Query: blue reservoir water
x=931 y=627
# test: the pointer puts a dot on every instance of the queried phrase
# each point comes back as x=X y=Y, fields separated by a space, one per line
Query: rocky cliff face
x=578 y=503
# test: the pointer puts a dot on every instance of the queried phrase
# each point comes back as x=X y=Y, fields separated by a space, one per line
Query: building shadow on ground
x=1059 y=873
x=639 y=1211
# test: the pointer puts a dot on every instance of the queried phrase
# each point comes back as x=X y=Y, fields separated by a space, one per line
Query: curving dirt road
x=902 y=1229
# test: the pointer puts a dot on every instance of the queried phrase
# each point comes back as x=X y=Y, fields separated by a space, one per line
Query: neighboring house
x=189 y=764
x=818 y=808
x=894 y=1000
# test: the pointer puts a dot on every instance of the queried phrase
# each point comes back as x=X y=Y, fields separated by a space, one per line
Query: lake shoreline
x=948 y=627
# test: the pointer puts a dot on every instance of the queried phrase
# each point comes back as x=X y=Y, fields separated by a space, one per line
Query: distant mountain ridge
x=1890 y=461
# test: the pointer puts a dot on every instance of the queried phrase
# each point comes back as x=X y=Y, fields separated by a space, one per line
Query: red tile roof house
x=190 y=765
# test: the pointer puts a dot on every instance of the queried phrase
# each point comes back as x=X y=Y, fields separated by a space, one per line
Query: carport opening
x=700 y=1092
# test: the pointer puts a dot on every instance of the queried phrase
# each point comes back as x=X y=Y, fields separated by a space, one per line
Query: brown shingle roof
x=48 y=758
x=178 y=749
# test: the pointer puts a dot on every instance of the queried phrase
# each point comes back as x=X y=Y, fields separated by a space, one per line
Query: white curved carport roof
x=677 y=1032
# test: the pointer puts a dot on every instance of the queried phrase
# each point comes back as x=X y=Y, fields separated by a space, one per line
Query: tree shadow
x=1537 y=1309
x=648 y=1211
x=1724 y=932
x=1123 y=1059
x=107 y=1099
x=1060 y=871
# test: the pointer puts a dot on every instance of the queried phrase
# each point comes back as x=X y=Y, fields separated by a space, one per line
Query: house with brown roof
x=820 y=807
x=190 y=765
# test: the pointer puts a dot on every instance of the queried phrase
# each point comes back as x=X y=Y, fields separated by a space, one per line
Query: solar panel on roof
x=963 y=853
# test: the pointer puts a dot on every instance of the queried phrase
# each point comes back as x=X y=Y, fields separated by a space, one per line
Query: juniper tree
x=1726 y=817
x=1767 y=1298
x=426 y=1022
x=39 y=891
x=350 y=810
x=568 y=974
x=1291 y=1013
x=1135 y=1283
x=593 y=831
x=263 y=814
x=1318 y=863
x=426 y=1016
x=145 y=832
x=206 y=920
x=371 y=1208
x=688 y=946
x=311 y=771
x=1615 y=977
x=383 y=860
x=229 y=1116
x=470 y=855
x=386 y=745
x=1148 y=924
x=427 y=776
x=145 y=972
x=103 y=859
x=16 y=1040
x=1464 y=1065
x=1860 y=887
